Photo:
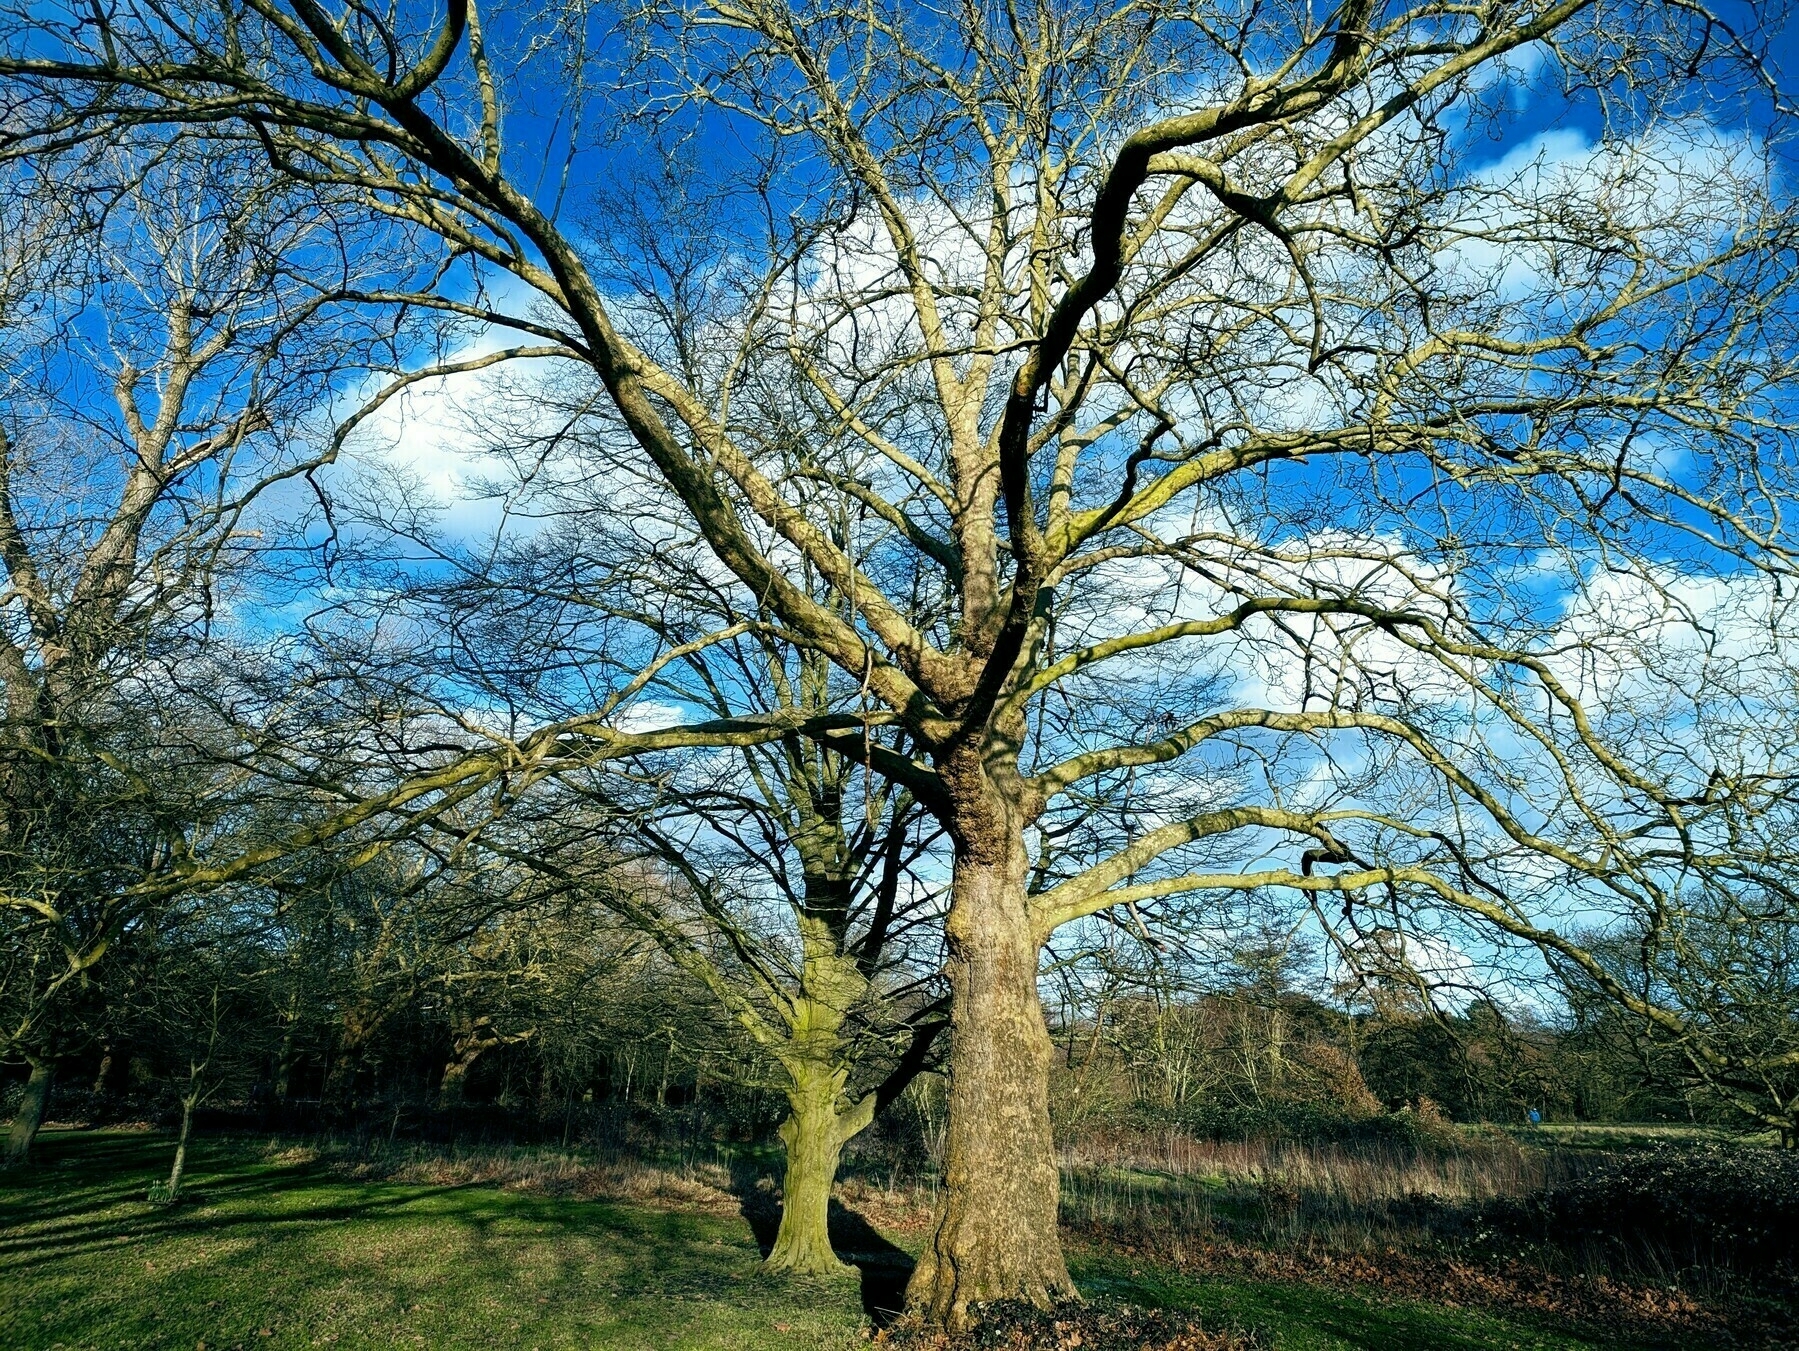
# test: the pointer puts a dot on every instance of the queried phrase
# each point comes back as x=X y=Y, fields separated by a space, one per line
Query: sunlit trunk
x=995 y=1234
x=180 y=1165
x=103 y=1075
x=820 y=1118
x=284 y=1061
x=813 y=1137
x=455 y=1074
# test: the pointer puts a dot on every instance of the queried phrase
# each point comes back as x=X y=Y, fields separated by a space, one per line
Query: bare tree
x=799 y=908
x=1716 y=983
x=1277 y=461
x=776 y=874
x=160 y=342
x=197 y=1004
x=177 y=318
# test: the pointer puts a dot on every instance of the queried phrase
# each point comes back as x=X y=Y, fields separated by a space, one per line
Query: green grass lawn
x=275 y=1255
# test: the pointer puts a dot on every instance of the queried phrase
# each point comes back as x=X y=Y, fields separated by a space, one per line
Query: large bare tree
x=1271 y=458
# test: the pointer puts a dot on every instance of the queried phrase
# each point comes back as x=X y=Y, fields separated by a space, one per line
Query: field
x=280 y=1247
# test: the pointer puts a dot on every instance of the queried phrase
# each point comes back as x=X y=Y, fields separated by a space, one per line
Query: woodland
x=990 y=601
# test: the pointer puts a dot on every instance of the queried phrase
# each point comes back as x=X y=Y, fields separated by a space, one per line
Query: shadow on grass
x=882 y=1266
x=1283 y=1312
x=82 y=1213
x=294 y=1245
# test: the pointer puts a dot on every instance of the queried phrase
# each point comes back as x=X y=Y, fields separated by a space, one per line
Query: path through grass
x=288 y=1255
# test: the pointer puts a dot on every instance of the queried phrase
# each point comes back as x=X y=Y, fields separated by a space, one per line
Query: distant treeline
x=367 y=1009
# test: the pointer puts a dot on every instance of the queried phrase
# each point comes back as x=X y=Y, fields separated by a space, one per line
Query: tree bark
x=180 y=1165
x=995 y=1234
x=284 y=1062
x=339 y=1080
x=814 y=1134
x=821 y=1119
x=30 y=1113
x=103 y=1076
x=470 y=1044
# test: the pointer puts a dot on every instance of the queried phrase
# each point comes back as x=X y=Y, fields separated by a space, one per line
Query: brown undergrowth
x=1479 y=1222
x=1504 y=1284
x=1096 y=1326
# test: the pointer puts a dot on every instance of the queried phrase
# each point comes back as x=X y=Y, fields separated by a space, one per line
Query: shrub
x=1699 y=1205
x=1306 y=1123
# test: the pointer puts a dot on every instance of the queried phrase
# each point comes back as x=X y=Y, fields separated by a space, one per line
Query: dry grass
x=1475 y=1169
x=694 y=1184
x=1348 y=1197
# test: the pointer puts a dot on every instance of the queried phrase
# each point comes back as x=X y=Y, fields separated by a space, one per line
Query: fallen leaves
x=1096 y=1326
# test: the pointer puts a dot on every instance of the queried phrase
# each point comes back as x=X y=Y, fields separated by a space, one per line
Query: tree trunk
x=103 y=1076
x=284 y=1061
x=340 y=1079
x=995 y=1232
x=814 y=1135
x=180 y=1166
x=30 y=1113
x=455 y=1075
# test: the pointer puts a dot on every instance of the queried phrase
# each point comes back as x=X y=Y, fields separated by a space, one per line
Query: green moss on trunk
x=30 y=1113
x=813 y=1137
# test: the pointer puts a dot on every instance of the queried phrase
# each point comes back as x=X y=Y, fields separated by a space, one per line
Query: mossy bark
x=813 y=1134
x=995 y=1235
x=821 y=1118
x=30 y=1114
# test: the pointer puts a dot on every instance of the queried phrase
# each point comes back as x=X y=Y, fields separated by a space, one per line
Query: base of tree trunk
x=811 y=1136
x=981 y=1254
x=29 y=1116
x=996 y=1236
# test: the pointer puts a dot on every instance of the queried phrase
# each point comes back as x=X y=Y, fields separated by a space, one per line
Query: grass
x=285 y=1251
x=289 y=1255
x=1627 y=1135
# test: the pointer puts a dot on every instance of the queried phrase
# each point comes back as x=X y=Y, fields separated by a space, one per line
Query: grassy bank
x=281 y=1248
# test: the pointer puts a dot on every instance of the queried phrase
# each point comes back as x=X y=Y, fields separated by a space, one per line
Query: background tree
x=775 y=874
x=1717 y=991
x=160 y=345
x=177 y=317
x=197 y=1003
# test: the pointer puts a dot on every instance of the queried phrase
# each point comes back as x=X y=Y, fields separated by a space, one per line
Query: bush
x=1310 y=1123
x=1700 y=1205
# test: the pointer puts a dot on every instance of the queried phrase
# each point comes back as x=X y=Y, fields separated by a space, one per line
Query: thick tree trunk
x=340 y=1079
x=284 y=1061
x=449 y=1087
x=30 y=1113
x=814 y=1136
x=820 y=1117
x=996 y=1233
